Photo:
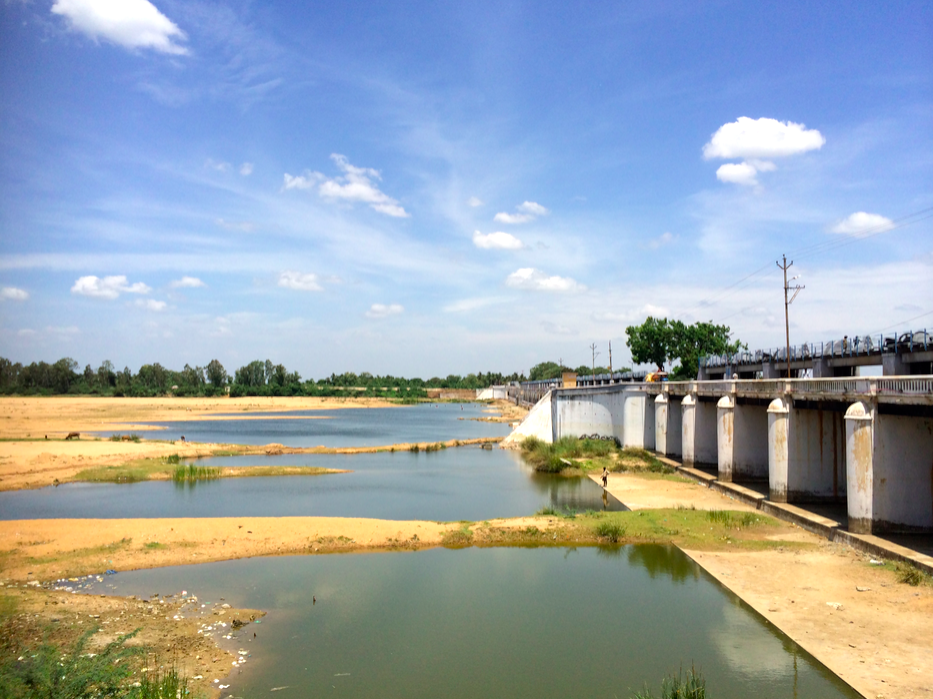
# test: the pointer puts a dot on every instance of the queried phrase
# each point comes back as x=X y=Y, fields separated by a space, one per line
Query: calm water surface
x=504 y=622
x=350 y=427
x=452 y=484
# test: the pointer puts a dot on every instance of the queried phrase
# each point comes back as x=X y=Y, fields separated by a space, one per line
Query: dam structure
x=864 y=444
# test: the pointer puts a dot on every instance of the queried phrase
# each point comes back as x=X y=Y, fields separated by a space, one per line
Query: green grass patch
x=75 y=670
x=128 y=472
x=458 y=538
x=190 y=473
x=567 y=452
x=90 y=552
x=125 y=438
x=155 y=545
x=682 y=686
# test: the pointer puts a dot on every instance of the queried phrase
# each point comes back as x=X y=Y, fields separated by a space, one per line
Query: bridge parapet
x=908 y=390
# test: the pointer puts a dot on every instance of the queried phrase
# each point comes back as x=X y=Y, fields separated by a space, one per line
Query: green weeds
x=691 y=686
x=125 y=437
x=458 y=538
x=49 y=670
x=613 y=531
x=565 y=453
x=189 y=473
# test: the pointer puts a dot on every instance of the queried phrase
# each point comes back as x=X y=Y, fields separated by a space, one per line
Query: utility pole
x=785 y=266
x=610 y=360
x=595 y=353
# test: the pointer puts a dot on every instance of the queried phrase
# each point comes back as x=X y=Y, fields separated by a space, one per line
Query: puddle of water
x=427 y=422
x=492 y=622
x=452 y=484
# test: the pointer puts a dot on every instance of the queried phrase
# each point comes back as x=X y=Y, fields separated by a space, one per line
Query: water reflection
x=493 y=622
x=665 y=561
x=463 y=483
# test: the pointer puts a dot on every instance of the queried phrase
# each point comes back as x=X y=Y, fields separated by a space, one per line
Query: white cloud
x=299 y=281
x=355 y=185
x=130 y=23
x=473 y=304
x=26 y=332
x=665 y=238
x=754 y=140
x=243 y=226
x=246 y=169
x=527 y=211
x=530 y=278
x=738 y=173
x=474 y=202
x=862 y=224
x=533 y=208
x=151 y=304
x=762 y=138
x=108 y=287
x=187 y=283
x=11 y=293
x=496 y=241
x=557 y=329
x=380 y=310
x=218 y=165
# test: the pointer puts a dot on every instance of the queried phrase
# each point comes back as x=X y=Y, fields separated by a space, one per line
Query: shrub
x=610 y=530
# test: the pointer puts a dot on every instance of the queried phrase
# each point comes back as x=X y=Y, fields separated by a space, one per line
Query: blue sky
x=429 y=188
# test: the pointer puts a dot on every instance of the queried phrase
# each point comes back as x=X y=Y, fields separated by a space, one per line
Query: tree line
x=258 y=378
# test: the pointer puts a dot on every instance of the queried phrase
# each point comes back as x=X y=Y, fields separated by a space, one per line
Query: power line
x=816 y=249
x=909 y=320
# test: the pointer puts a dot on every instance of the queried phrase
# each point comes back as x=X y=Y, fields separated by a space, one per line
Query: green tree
x=652 y=341
x=660 y=340
x=216 y=374
x=546 y=370
x=690 y=342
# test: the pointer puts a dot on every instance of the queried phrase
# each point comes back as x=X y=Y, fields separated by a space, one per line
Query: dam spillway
x=865 y=442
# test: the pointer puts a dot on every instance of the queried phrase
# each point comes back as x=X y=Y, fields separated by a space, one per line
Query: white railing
x=918 y=386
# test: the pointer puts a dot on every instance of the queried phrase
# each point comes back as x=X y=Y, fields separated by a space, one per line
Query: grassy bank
x=686 y=528
x=171 y=468
x=572 y=456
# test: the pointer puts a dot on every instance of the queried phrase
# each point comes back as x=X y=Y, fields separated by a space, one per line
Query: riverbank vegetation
x=680 y=686
x=570 y=455
x=168 y=468
x=258 y=378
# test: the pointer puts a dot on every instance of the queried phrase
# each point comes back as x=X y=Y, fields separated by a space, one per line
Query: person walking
x=605 y=477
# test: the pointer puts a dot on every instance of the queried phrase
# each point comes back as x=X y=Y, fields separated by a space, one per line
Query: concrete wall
x=624 y=414
x=806 y=450
x=668 y=425
x=889 y=470
x=588 y=412
x=537 y=423
x=742 y=438
x=492 y=393
x=902 y=482
x=698 y=431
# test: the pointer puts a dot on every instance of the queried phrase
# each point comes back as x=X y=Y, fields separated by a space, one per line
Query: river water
x=350 y=427
x=499 y=622
x=509 y=622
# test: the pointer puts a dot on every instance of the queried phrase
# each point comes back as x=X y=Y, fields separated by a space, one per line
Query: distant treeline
x=257 y=378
